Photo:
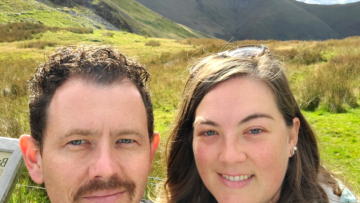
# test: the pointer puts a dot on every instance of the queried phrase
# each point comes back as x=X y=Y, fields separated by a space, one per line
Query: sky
x=328 y=1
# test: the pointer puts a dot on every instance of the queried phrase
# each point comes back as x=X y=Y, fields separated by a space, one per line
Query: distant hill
x=125 y=15
x=262 y=19
x=344 y=18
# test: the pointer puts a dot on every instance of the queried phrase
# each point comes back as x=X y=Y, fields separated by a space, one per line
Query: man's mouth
x=104 y=196
x=237 y=178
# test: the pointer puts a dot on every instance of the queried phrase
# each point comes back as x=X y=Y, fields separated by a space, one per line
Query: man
x=92 y=125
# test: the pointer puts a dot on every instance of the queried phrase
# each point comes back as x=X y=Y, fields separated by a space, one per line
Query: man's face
x=96 y=146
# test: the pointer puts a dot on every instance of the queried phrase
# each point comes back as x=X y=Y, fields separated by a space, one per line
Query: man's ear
x=32 y=157
x=294 y=134
x=154 y=145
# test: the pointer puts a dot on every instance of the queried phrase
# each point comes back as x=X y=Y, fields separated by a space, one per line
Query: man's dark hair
x=99 y=65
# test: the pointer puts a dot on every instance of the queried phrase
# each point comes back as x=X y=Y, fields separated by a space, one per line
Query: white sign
x=11 y=163
x=4 y=158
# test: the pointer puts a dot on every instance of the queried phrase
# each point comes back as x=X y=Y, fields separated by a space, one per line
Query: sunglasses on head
x=247 y=51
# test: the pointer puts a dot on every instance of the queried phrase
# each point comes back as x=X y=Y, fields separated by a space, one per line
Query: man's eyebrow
x=81 y=132
x=126 y=132
x=255 y=116
x=203 y=121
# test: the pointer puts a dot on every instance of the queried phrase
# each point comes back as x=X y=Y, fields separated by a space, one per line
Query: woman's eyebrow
x=201 y=120
x=255 y=116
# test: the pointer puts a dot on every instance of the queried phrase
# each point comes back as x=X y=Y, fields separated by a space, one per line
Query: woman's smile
x=236 y=182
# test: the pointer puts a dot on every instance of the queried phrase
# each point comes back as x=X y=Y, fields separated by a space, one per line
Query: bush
x=27 y=30
x=108 y=34
x=298 y=57
x=22 y=31
x=80 y=30
x=331 y=86
x=39 y=44
x=153 y=43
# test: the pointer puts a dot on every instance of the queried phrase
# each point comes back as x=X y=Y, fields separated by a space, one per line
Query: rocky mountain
x=262 y=19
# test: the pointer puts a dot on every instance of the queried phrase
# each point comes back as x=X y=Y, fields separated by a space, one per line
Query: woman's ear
x=294 y=134
x=32 y=157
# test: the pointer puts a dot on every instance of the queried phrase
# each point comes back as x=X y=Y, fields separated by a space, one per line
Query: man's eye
x=210 y=132
x=126 y=141
x=255 y=131
x=77 y=142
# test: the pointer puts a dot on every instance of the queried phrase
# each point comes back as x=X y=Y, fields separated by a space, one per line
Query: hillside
x=261 y=19
x=124 y=15
x=347 y=16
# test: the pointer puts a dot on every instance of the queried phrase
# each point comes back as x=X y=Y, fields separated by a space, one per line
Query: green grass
x=168 y=64
x=339 y=137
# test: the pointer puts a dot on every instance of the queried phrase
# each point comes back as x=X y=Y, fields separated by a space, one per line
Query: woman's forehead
x=237 y=98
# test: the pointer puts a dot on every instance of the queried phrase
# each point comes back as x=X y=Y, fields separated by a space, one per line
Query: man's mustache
x=99 y=185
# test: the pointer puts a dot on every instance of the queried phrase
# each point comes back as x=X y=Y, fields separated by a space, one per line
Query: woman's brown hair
x=304 y=173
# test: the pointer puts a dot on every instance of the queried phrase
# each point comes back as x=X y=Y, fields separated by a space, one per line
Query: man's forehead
x=78 y=87
x=81 y=105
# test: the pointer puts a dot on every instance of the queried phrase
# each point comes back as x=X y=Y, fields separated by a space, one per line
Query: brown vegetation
x=108 y=34
x=27 y=30
x=153 y=43
x=39 y=44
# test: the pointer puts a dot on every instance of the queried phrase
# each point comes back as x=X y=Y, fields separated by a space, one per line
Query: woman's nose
x=232 y=151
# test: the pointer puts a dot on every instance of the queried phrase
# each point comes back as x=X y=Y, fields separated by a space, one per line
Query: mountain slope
x=344 y=18
x=126 y=15
x=252 y=19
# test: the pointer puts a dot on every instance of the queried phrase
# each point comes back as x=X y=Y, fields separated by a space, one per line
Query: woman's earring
x=293 y=151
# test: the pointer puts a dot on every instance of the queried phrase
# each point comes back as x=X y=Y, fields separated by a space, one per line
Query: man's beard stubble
x=98 y=185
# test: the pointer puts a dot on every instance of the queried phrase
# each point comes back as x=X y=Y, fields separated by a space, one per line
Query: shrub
x=108 y=34
x=39 y=44
x=22 y=31
x=27 y=30
x=332 y=85
x=80 y=30
x=153 y=43
x=298 y=57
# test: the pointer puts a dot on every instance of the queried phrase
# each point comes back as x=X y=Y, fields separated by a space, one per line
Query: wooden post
x=11 y=163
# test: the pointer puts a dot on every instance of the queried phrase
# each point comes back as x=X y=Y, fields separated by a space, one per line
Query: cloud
x=328 y=2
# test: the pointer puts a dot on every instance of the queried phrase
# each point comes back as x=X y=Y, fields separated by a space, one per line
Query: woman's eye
x=255 y=131
x=126 y=141
x=77 y=142
x=210 y=132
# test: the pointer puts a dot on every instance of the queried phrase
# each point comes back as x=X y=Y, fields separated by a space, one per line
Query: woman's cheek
x=203 y=155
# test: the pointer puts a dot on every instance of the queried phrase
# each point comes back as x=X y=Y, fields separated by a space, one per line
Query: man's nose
x=104 y=164
x=232 y=151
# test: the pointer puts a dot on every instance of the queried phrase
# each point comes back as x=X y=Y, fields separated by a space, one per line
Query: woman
x=240 y=136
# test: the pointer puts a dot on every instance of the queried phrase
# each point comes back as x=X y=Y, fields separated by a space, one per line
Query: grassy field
x=324 y=77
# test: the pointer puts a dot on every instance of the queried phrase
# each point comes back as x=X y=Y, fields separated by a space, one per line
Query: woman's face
x=241 y=142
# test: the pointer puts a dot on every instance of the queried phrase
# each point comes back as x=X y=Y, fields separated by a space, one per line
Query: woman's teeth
x=237 y=178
